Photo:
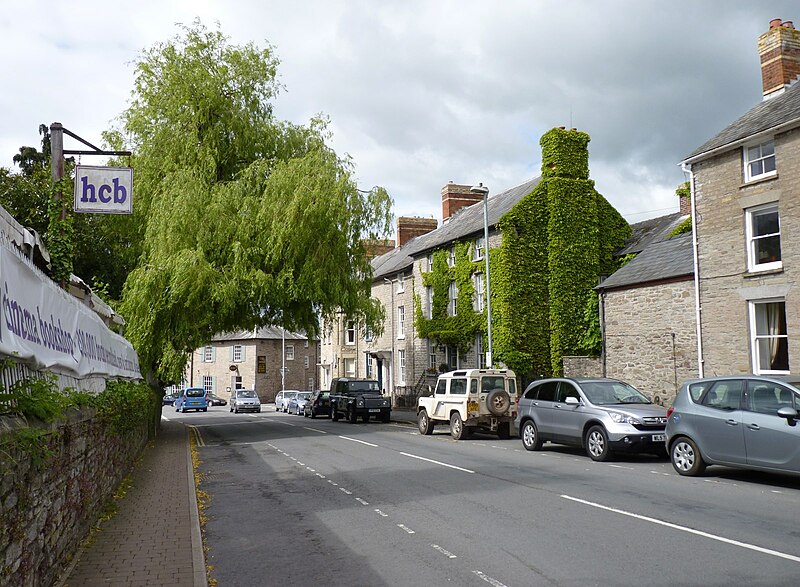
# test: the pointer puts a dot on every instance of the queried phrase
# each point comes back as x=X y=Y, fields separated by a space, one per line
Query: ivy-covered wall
x=556 y=242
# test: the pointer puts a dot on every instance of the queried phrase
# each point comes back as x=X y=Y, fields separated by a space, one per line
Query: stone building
x=254 y=360
x=746 y=206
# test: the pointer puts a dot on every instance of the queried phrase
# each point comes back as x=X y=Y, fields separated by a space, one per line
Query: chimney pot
x=779 y=53
x=455 y=197
x=774 y=22
x=788 y=24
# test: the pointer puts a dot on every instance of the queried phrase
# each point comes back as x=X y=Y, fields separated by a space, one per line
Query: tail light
x=669 y=411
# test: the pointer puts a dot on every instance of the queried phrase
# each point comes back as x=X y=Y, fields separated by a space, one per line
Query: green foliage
x=565 y=154
x=591 y=342
x=126 y=405
x=684 y=227
x=60 y=232
x=245 y=220
x=38 y=398
x=683 y=190
x=459 y=330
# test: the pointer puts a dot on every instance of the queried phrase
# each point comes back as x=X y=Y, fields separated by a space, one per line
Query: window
x=208 y=354
x=305 y=343
x=401 y=283
x=441 y=387
x=769 y=341
x=451 y=257
x=458 y=386
x=724 y=395
x=262 y=364
x=208 y=383
x=478 y=249
x=401 y=322
x=430 y=262
x=368 y=335
x=305 y=361
x=401 y=364
x=368 y=365
x=349 y=367
x=290 y=352
x=350 y=336
x=429 y=302
x=763 y=231
x=452 y=296
x=432 y=356
x=237 y=382
x=759 y=161
x=768 y=398
x=237 y=353
x=451 y=354
x=544 y=392
x=478 y=302
x=311 y=383
x=479 y=354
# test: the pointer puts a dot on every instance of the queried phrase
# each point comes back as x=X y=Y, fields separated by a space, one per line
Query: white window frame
x=430 y=262
x=451 y=257
x=429 y=302
x=760 y=158
x=401 y=364
x=350 y=333
x=755 y=337
x=432 y=362
x=290 y=352
x=478 y=249
x=452 y=299
x=401 y=283
x=479 y=352
x=478 y=284
x=750 y=214
x=369 y=336
x=401 y=322
x=208 y=383
x=237 y=353
x=208 y=354
x=346 y=362
x=305 y=361
x=367 y=365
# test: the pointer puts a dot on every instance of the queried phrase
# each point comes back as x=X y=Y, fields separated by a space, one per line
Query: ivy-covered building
x=550 y=239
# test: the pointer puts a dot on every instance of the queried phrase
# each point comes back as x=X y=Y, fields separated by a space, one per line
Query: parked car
x=358 y=398
x=747 y=422
x=469 y=400
x=169 y=399
x=215 y=400
x=297 y=403
x=286 y=397
x=192 y=398
x=318 y=404
x=600 y=415
x=245 y=400
x=278 y=401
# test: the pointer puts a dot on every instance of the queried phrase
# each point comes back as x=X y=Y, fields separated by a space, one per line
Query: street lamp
x=481 y=189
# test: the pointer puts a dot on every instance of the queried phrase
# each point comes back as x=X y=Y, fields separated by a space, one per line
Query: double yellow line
x=195 y=432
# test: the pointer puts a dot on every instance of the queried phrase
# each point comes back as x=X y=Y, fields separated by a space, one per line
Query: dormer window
x=759 y=161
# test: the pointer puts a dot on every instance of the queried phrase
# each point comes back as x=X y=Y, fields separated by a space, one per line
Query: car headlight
x=620 y=418
x=360 y=403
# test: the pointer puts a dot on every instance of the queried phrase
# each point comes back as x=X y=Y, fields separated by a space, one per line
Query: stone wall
x=48 y=503
x=583 y=367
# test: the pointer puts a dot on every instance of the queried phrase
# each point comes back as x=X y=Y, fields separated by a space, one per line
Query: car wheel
x=424 y=422
x=352 y=417
x=334 y=414
x=457 y=429
x=685 y=457
x=596 y=442
x=504 y=430
x=313 y=413
x=530 y=436
x=498 y=402
x=365 y=418
x=386 y=417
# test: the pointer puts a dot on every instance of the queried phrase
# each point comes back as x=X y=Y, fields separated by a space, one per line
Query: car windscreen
x=363 y=386
x=303 y=395
x=607 y=393
x=245 y=393
x=195 y=392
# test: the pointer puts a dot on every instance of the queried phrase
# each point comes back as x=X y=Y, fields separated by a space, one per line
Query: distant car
x=215 y=400
x=747 y=422
x=287 y=396
x=245 y=400
x=169 y=399
x=278 y=401
x=600 y=415
x=298 y=402
x=318 y=404
x=192 y=398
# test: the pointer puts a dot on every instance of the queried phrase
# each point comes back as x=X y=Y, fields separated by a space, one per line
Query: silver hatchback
x=748 y=422
x=600 y=415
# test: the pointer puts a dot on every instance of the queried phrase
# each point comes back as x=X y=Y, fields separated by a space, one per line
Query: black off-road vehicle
x=358 y=398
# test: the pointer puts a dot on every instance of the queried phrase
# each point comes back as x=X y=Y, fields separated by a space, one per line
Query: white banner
x=47 y=328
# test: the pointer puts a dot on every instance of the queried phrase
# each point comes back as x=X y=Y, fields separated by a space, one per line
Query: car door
x=718 y=422
x=771 y=441
x=439 y=397
x=541 y=408
x=568 y=419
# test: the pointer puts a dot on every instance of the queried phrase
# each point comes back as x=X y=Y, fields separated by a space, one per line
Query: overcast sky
x=423 y=92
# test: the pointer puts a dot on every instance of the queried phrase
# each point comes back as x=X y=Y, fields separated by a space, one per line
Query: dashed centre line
x=359 y=441
x=436 y=462
x=447 y=553
x=488 y=579
x=343 y=490
x=362 y=501
x=406 y=528
x=315 y=430
x=381 y=514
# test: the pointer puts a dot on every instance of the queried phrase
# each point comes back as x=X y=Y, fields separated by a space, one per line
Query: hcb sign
x=103 y=190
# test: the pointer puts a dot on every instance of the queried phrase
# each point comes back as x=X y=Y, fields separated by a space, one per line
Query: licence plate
x=658 y=438
x=374 y=411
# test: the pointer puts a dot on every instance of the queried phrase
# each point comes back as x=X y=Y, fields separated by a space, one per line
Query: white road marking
x=301 y=464
x=294 y=459
x=361 y=501
x=342 y=489
x=312 y=470
x=436 y=462
x=333 y=483
x=320 y=475
x=285 y=423
x=315 y=430
x=361 y=441
x=776 y=491
x=380 y=513
x=621 y=467
x=406 y=528
x=488 y=579
x=447 y=553
x=399 y=425
x=478 y=444
x=689 y=530
x=718 y=482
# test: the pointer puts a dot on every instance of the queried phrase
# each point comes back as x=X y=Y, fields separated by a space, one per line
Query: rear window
x=195 y=392
x=696 y=390
x=489 y=384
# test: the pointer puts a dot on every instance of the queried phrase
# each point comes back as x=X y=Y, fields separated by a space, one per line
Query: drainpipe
x=603 y=330
x=687 y=168
x=390 y=372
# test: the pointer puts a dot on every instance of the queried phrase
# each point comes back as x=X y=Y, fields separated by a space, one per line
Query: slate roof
x=650 y=231
x=267 y=332
x=666 y=259
x=465 y=222
x=769 y=114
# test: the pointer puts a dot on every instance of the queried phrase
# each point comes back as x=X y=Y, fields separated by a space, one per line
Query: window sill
x=758 y=180
x=752 y=274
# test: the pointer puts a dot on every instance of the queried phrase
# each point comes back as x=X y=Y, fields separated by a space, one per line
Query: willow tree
x=245 y=220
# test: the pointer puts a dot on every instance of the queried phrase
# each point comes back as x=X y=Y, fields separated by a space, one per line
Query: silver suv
x=600 y=415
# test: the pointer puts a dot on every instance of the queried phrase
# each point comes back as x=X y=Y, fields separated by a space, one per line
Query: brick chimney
x=686 y=205
x=455 y=197
x=377 y=247
x=779 y=50
x=409 y=227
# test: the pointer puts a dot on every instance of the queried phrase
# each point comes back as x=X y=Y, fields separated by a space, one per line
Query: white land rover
x=469 y=399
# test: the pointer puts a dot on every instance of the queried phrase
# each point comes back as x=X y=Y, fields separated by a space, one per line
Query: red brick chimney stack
x=409 y=227
x=779 y=51
x=455 y=197
x=686 y=205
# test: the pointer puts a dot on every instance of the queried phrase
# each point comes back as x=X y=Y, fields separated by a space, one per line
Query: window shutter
x=230 y=353
x=244 y=353
x=213 y=354
x=213 y=384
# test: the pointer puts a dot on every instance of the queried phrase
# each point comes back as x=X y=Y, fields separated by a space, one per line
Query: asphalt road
x=299 y=502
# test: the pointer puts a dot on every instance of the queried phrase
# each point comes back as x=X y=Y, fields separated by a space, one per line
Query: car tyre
x=504 y=430
x=457 y=428
x=352 y=416
x=334 y=413
x=365 y=418
x=424 y=423
x=313 y=413
x=685 y=457
x=530 y=436
x=386 y=417
x=596 y=442
x=235 y=410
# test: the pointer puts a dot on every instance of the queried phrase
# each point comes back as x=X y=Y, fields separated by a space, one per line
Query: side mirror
x=790 y=414
x=572 y=401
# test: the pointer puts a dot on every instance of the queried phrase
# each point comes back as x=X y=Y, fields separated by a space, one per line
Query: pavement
x=154 y=537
